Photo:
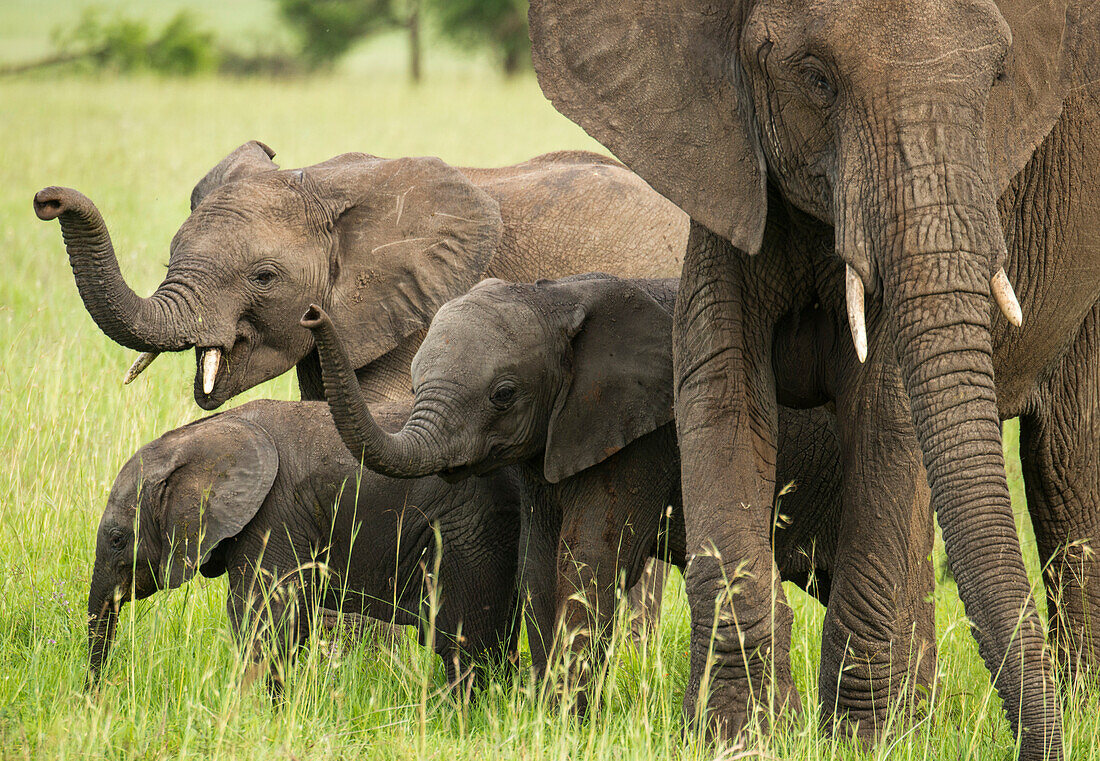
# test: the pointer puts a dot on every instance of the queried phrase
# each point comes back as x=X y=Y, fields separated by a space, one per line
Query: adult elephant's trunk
x=102 y=620
x=936 y=244
x=409 y=453
x=158 y=323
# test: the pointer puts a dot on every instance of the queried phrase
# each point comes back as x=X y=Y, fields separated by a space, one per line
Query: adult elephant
x=912 y=156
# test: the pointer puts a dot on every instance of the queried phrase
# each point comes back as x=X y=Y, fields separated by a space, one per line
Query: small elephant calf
x=268 y=494
x=570 y=382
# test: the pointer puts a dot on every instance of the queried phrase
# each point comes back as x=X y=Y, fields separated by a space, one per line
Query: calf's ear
x=220 y=472
x=620 y=382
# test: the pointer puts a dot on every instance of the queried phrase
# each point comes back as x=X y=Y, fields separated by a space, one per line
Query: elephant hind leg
x=1060 y=453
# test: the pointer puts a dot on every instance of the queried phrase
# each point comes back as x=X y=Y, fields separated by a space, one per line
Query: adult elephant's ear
x=621 y=372
x=652 y=81
x=408 y=235
x=251 y=158
x=1055 y=50
x=220 y=470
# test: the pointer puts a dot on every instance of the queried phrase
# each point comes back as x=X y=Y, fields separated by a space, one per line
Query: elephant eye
x=818 y=79
x=503 y=395
x=263 y=277
x=118 y=542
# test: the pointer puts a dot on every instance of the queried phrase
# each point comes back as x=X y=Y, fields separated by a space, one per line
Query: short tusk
x=211 y=358
x=143 y=361
x=1006 y=298
x=853 y=294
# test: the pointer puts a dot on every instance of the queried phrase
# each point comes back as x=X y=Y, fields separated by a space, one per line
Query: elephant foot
x=736 y=709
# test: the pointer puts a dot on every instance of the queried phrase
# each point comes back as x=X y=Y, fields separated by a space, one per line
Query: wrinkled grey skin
x=572 y=381
x=268 y=494
x=923 y=145
x=380 y=243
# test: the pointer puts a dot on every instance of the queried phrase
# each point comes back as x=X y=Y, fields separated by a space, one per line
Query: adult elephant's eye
x=118 y=542
x=503 y=395
x=263 y=277
x=818 y=78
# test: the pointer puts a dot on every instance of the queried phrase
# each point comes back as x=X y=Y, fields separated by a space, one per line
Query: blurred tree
x=327 y=29
x=497 y=24
x=127 y=44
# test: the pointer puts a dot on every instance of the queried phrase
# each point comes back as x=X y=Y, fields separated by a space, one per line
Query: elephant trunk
x=154 y=324
x=409 y=453
x=103 y=605
x=936 y=247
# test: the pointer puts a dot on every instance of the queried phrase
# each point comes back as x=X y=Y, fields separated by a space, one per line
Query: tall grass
x=173 y=685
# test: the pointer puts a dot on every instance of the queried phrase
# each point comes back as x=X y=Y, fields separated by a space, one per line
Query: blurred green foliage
x=181 y=46
x=326 y=29
x=500 y=25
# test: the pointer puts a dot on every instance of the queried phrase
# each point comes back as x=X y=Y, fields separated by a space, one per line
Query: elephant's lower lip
x=213 y=398
x=453 y=475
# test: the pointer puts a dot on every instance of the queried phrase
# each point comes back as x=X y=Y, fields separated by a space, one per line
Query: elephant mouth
x=462 y=472
x=454 y=475
x=218 y=373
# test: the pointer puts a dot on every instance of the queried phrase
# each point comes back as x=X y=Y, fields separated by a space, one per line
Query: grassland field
x=173 y=686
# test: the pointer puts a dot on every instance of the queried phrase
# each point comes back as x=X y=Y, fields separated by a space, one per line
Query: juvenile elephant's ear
x=1055 y=49
x=251 y=158
x=652 y=80
x=621 y=367
x=218 y=473
x=409 y=235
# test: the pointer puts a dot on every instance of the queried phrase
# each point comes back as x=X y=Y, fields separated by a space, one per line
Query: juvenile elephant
x=268 y=494
x=572 y=381
x=380 y=243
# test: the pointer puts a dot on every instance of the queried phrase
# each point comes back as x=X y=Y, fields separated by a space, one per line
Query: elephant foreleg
x=726 y=416
x=879 y=641
x=610 y=520
x=269 y=620
x=1061 y=461
x=540 y=528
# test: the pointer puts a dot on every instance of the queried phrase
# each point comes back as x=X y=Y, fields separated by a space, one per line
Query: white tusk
x=1006 y=298
x=211 y=358
x=853 y=294
x=143 y=361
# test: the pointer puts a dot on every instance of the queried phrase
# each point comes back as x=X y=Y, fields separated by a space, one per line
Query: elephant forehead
x=479 y=333
x=886 y=32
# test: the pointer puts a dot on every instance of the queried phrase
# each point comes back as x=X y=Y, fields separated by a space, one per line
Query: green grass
x=136 y=147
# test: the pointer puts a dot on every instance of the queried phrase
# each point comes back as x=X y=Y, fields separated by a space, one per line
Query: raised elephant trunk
x=936 y=240
x=405 y=454
x=154 y=324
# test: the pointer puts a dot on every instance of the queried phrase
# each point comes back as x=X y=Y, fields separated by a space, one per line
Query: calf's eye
x=503 y=395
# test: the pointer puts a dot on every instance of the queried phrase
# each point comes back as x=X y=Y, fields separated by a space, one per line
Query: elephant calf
x=268 y=494
x=572 y=381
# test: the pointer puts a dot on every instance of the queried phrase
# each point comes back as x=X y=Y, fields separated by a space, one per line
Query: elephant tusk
x=143 y=361
x=1006 y=298
x=853 y=294
x=211 y=359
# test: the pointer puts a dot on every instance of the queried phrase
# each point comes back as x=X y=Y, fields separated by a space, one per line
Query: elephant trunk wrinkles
x=102 y=620
x=405 y=454
x=154 y=324
x=941 y=240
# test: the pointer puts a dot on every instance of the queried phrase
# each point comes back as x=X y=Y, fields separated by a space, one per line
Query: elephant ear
x=621 y=372
x=410 y=234
x=217 y=473
x=251 y=158
x=1055 y=49
x=651 y=80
